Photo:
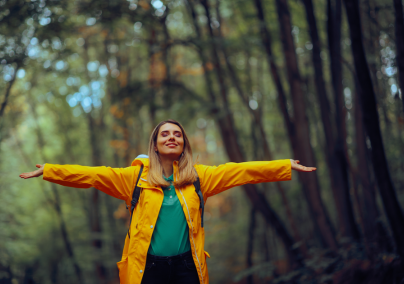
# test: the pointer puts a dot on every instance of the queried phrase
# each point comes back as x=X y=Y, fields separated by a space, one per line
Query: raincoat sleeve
x=217 y=179
x=117 y=182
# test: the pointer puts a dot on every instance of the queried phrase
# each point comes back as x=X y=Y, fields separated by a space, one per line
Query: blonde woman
x=165 y=243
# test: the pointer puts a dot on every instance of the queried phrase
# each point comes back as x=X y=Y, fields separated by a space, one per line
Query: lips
x=171 y=145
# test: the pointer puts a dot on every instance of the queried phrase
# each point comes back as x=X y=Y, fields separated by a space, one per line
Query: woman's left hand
x=36 y=173
x=300 y=168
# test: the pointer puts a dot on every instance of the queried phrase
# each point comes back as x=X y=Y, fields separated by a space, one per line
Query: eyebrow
x=176 y=131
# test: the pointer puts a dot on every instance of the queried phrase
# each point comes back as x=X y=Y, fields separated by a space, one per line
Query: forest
x=319 y=81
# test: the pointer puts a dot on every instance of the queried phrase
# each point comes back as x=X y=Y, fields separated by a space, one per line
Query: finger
x=38 y=165
x=26 y=175
x=305 y=166
x=309 y=169
x=305 y=169
x=297 y=161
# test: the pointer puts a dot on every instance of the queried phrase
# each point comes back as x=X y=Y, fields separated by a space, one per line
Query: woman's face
x=170 y=141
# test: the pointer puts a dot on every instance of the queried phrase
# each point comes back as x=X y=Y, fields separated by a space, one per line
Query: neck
x=167 y=164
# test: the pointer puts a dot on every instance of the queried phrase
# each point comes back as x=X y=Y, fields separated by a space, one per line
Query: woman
x=165 y=243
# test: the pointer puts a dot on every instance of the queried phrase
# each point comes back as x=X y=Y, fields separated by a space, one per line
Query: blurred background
x=85 y=82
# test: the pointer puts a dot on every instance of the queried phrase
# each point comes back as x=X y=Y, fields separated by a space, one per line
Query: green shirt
x=170 y=235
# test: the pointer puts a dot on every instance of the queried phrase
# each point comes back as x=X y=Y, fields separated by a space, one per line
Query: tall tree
x=298 y=129
x=257 y=122
x=230 y=136
x=399 y=30
x=369 y=206
x=96 y=154
x=371 y=121
x=335 y=154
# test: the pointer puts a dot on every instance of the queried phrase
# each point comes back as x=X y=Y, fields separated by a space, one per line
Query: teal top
x=171 y=234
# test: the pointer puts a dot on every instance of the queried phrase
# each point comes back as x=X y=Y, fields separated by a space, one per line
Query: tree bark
x=298 y=131
x=337 y=156
x=399 y=31
x=371 y=122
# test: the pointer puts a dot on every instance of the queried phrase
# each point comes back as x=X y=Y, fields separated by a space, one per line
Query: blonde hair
x=186 y=172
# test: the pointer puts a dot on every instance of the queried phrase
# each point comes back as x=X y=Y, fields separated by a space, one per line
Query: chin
x=175 y=156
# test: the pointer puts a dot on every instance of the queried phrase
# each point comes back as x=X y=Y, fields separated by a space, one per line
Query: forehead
x=170 y=128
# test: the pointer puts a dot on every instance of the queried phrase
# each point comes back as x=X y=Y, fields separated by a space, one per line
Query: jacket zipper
x=192 y=235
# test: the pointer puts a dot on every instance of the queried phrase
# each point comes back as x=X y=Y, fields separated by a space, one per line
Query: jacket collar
x=141 y=161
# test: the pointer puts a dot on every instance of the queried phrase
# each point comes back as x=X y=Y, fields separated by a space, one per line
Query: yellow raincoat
x=120 y=182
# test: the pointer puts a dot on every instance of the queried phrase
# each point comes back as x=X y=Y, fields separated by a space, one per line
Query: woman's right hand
x=36 y=173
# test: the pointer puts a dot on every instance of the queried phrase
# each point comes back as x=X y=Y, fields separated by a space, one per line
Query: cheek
x=160 y=141
x=182 y=146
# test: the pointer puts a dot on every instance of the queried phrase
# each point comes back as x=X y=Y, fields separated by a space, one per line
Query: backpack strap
x=135 y=198
x=198 y=191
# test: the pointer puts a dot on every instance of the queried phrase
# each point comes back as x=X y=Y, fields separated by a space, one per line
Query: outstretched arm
x=217 y=179
x=117 y=182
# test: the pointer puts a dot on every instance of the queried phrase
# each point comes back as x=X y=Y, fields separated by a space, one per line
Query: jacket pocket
x=123 y=271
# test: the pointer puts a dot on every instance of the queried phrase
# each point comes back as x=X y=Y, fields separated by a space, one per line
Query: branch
x=8 y=91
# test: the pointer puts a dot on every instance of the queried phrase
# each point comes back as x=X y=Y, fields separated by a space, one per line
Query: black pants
x=178 y=269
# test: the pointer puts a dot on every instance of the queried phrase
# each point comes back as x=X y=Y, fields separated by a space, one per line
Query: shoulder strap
x=135 y=198
x=198 y=191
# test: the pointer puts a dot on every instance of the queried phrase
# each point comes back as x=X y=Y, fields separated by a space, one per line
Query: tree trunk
x=321 y=221
x=299 y=134
x=399 y=29
x=257 y=124
x=371 y=30
x=8 y=90
x=371 y=122
x=250 y=244
x=369 y=206
x=230 y=139
x=337 y=158
x=95 y=214
x=266 y=41
x=65 y=236
x=153 y=84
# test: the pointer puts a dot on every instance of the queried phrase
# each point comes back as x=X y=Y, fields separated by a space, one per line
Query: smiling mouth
x=171 y=144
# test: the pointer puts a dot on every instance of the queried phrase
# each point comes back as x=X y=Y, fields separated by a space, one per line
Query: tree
x=371 y=122
x=399 y=30
x=298 y=131
x=334 y=136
